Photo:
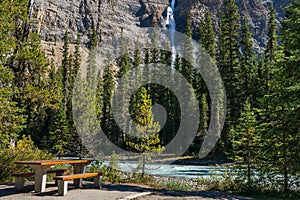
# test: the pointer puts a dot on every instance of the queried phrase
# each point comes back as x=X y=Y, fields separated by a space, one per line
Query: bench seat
x=63 y=181
x=20 y=176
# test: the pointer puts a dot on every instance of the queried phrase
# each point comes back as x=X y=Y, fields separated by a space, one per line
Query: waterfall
x=172 y=26
x=31 y=8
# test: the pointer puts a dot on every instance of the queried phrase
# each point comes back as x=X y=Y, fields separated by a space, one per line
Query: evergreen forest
x=261 y=134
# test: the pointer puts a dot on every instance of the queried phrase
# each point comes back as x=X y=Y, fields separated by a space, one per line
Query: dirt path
x=109 y=192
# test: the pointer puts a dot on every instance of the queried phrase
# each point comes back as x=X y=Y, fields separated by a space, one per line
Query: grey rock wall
x=110 y=17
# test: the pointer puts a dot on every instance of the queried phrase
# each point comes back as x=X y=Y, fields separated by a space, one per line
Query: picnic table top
x=54 y=162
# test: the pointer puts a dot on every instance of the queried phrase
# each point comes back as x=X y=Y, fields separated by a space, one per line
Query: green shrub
x=225 y=182
x=24 y=150
x=176 y=185
x=111 y=172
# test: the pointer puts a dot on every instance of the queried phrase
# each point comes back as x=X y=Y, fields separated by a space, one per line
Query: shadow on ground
x=200 y=194
x=51 y=191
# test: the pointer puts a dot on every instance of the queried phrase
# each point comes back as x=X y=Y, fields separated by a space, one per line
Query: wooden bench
x=20 y=176
x=63 y=181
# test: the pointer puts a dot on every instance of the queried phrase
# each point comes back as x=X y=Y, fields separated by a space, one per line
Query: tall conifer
x=228 y=60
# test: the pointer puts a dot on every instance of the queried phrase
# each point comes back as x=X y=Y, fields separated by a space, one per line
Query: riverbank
x=183 y=160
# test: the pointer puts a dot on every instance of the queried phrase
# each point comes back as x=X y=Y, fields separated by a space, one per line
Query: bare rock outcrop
x=110 y=17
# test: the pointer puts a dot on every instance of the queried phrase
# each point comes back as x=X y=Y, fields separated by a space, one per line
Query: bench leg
x=98 y=181
x=19 y=184
x=58 y=174
x=78 y=169
x=62 y=187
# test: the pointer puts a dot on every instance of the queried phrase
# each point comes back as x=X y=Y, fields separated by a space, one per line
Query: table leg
x=78 y=169
x=40 y=177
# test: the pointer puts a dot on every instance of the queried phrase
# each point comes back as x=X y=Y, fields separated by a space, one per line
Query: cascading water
x=31 y=8
x=172 y=26
x=170 y=16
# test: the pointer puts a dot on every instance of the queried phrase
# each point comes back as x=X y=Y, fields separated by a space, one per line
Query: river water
x=184 y=171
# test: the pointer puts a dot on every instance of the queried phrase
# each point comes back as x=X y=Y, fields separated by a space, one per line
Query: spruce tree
x=271 y=51
x=272 y=38
x=65 y=70
x=155 y=52
x=207 y=35
x=228 y=61
x=58 y=125
x=107 y=91
x=75 y=66
x=207 y=40
x=147 y=139
x=11 y=117
x=92 y=68
x=282 y=135
x=30 y=67
x=246 y=143
x=124 y=63
x=59 y=132
x=248 y=70
x=188 y=52
x=125 y=66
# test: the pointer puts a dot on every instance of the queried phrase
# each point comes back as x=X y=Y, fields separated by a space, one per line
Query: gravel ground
x=109 y=192
x=210 y=195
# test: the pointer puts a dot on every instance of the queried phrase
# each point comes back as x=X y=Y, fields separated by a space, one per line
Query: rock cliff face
x=109 y=17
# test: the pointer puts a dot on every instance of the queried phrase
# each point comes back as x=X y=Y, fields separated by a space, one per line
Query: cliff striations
x=109 y=17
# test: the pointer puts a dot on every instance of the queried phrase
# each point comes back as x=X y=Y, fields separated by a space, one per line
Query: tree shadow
x=52 y=191
x=169 y=193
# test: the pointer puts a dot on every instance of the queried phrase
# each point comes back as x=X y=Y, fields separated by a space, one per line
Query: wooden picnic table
x=41 y=167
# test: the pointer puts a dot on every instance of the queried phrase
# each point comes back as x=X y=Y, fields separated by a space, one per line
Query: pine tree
x=77 y=57
x=155 y=52
x=282 y=135
x=137 y=55
x=84 y=109
x=270 y=52
x=148 y=143
x=137 y=64
x=248 y=65
x=246 y=143
x=30 y=67
x=65 y=70
x=228 y=61
x=207 y=35
x=75 y=66
x=58 y=125
x=125 y=66
x=59 y=132
x=11 y=116
x=260 y=87
x=188 y=53
x=204 y=115
x=272 y=38
x=177 y=64
x=124 y=58
x=207 y=40
x=92 y=68
x=108 y=87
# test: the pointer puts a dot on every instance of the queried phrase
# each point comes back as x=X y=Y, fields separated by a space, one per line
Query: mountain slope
x=108 y=17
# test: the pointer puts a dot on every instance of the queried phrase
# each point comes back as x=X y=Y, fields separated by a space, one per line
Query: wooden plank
x=56 y=171
x=23 y=174
x=27 y=174
x=52 y=162
x=77 y=176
